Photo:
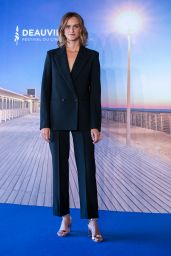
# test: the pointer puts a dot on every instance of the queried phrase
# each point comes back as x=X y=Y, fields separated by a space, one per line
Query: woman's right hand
x=45 y=133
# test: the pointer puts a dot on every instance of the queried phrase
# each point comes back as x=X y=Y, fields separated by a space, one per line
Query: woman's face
x=72 y=29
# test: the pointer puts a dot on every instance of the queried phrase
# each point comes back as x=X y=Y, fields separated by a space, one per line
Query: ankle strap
x=92 y=219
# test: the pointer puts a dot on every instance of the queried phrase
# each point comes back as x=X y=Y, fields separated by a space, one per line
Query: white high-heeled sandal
x=95 y=237
x=64 y=232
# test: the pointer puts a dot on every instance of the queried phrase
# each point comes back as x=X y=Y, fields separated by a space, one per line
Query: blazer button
x=75 y=100
x=62 y=99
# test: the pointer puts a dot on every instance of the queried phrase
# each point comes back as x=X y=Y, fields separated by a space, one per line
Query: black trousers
x=86 y=169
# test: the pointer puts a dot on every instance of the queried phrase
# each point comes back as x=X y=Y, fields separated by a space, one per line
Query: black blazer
x=71 y=100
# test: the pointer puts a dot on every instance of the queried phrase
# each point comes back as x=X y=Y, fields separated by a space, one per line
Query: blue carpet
x=31 y=230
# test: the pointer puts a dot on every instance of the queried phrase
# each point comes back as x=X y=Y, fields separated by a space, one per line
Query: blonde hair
x=83 y=34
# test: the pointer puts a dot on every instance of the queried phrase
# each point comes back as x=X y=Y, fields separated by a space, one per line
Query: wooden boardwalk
x=127 y=178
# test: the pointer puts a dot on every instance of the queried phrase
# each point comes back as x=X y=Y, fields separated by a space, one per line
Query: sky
x=21 y=65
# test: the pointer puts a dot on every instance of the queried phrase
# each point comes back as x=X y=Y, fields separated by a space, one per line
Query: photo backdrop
x=29 y=29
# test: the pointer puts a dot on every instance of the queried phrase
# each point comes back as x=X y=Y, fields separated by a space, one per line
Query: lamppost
x=128 y=22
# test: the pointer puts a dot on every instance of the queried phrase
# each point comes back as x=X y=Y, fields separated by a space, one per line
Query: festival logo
x=35 y=35
x=16 y=36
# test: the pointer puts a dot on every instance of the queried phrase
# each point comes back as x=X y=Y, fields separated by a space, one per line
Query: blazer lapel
x=63 y=66
x=79 y=63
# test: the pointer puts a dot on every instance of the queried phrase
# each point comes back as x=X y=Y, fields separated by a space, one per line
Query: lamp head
x=128 y=22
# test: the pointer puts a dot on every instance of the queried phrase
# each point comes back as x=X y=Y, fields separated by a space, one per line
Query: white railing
x=8 y=114
x=158 y=121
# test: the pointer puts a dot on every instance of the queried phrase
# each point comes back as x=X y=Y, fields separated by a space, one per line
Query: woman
x=71 y=102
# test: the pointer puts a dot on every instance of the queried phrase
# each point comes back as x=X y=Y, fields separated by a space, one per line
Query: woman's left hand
x=95 y=135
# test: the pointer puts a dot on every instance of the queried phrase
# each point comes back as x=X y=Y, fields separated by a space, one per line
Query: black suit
x=71 y=101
